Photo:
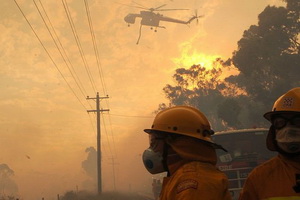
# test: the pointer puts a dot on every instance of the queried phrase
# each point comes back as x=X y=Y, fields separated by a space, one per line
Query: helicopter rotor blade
x=141 y=6
x=159 y=7
x=132 y=6
x=171 y=9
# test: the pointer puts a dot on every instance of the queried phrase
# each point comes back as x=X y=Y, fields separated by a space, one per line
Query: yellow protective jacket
x=196 y=181
x=273 y=180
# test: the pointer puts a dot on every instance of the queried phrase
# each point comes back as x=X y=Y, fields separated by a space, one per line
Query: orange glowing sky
x=42 y=118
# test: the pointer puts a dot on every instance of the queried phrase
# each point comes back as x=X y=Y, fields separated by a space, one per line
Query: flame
x=188 y=59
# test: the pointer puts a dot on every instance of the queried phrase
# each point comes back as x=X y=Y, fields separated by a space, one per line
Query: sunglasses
x=280 y=121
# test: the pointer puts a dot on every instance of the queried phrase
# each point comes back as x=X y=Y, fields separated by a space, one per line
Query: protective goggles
x=281 y=121
x=155 y=138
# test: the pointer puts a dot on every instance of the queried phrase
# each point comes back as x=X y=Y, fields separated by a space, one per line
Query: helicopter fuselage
x=149 y=18
x=130 y=18
x=152 y=19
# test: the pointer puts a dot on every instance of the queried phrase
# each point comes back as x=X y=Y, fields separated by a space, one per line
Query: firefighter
x=181 y=145
x=279 y=178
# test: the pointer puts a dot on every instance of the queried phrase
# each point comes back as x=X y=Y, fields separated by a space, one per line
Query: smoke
x=89 y=166
x=7 y=184
x=83 y=195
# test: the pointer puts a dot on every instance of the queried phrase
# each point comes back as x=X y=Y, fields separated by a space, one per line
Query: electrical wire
x=78 y=44
x=56 y=66
x=109 y=146
x=79 y=85
x=100 y=71
x=63 y=53
x=112 y=133
x=119 y=115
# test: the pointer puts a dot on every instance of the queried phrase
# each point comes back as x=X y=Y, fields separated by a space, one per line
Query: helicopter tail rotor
x=196 y=16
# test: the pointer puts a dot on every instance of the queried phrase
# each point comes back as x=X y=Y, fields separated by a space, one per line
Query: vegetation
x=7 y=184
x=268 y=62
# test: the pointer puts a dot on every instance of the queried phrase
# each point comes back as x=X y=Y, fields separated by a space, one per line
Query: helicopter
x=152 y=19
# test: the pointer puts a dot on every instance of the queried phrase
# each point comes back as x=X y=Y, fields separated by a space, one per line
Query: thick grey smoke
x=89 y=166
x=7 y=184
x=84 y=195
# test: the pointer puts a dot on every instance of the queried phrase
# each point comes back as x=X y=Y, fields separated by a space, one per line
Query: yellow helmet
x=287 y=103
x=182 y=120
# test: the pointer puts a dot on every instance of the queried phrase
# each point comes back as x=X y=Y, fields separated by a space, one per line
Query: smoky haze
x=90 y=167
x=43 y=111
x=7 y=183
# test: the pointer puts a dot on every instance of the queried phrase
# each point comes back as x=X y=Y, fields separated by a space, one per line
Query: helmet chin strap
x=171 y=160
x=165 y=158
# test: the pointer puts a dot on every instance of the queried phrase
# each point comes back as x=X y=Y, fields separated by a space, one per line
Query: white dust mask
x=288 y=139
x=153 y=161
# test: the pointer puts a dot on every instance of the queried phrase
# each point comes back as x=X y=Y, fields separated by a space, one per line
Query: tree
x=231 y=118
x=69 y=195
x=202 y=88
x=90 y=167
x=268 y=62
x=268 y=57
x=7 y=184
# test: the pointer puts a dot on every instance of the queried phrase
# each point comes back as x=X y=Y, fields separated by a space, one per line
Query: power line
x=78 y=44
x=98 y=110
x=112 y=133
x=95 y=46
x=112 y=152
x=100 y=72
x=64 y=56
x=81 y=88
x=109 y=146
x=36 y=35
x=113 y=168
x=93 y=123
x=130 y=116
x=61 y=51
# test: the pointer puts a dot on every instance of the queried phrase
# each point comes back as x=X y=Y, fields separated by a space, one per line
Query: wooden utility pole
x=98 y=110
